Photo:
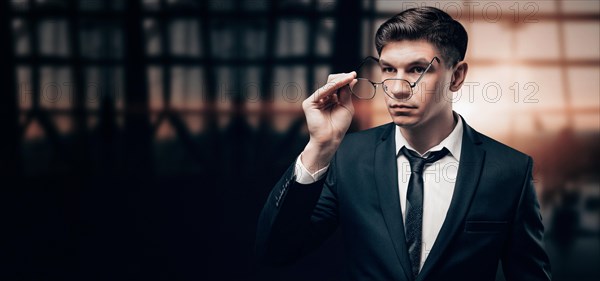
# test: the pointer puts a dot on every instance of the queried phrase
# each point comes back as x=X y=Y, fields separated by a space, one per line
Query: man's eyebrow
x=417 y=61
x=383 y=62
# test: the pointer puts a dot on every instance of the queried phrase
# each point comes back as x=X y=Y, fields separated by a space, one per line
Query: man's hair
x=428 y=23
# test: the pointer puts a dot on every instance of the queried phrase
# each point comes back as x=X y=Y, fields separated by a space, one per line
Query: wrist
x=317 y=155
x=323 y=145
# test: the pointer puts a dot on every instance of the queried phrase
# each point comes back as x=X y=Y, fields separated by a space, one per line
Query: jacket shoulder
x=501 y=150
x=365 y=138
x=508 y=159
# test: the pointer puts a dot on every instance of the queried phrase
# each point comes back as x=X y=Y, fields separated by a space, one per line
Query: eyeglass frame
x=412 y=85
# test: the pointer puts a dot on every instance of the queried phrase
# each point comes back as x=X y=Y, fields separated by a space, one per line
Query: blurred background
x=141 y=138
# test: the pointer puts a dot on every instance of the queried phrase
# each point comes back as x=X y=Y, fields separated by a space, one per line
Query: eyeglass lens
x=398 y=89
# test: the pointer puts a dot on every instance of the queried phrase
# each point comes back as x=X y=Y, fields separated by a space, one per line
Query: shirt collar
x=453 y=142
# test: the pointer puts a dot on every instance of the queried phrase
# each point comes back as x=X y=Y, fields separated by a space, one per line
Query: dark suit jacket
x=494 y=214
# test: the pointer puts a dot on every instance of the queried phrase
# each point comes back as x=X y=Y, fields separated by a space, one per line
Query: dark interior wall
x=133 y=146
x=110 y=198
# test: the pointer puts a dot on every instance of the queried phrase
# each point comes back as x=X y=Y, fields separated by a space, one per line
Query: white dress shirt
x=438 y=182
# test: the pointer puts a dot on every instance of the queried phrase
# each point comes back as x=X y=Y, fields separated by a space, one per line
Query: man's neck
x=428 y=135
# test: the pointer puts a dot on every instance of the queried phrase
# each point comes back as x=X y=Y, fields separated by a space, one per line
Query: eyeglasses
x=395 y=88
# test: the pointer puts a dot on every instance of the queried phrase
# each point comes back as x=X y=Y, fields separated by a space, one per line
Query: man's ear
x=458 y=76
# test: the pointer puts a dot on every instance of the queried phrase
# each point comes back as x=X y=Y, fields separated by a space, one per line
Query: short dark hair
x=428 y=23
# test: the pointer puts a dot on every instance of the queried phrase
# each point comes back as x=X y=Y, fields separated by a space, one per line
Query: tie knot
x=417 y=162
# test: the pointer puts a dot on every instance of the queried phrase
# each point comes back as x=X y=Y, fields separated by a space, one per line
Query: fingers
x=327 y=102
x=345 y=96
x=334 y=82
x=324 y=97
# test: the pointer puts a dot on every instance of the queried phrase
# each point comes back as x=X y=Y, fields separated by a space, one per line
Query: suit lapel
x=386 y=179
x=469 y=171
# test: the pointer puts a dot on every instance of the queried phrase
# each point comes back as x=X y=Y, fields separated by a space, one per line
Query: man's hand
x=329 y=112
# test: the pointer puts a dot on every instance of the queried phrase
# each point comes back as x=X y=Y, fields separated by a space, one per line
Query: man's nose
x=398 y=88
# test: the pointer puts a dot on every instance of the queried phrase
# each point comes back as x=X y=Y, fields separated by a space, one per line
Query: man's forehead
x=408 y=51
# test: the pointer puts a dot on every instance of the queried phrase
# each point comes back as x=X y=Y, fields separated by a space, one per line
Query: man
x=425 y=197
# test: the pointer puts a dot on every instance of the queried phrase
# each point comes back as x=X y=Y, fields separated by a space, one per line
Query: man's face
x=431 y=97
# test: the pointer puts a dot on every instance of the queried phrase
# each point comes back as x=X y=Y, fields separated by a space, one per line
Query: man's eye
x=417 y=69
x=387 y=69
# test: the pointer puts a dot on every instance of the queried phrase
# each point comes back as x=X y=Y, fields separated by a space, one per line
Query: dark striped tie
x=414 y=203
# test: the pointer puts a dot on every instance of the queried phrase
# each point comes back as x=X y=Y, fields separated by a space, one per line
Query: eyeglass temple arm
x=426 y=69
x=365 y=60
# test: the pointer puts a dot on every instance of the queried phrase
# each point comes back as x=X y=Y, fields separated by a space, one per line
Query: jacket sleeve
x=296 y=218
x=524 y=257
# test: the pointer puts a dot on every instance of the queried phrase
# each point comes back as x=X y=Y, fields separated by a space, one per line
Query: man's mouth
x=402 y=106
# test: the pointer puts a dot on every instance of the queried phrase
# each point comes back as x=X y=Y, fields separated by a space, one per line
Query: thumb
x=346 y=94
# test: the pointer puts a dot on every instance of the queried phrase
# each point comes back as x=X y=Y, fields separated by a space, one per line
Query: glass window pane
x=490 y=11
x=153 y=37
x=489 y=41
x=185 y=37
x=151 y=4
x=539 y=88
x=227 y=84
x=321 y=72
x=223 y=37
x=155 y=87
x=324 y=40
x=186 y=87
x=326 y=5
x=20 y=4
x=484 y=96
x=93 y=87
x=252 y=89
x=21 y=37
x=254 y=36
x=368 y=37
x=253 y=94
x=584 y=6
x=103 y=84
x=584 y=86
x=227 y=89
x=530 y=10
x=290 y=85
x=582 y=40
x=24 y=87
x=101 y=40
x=366 y=40
x=538 y=100
x=533 y=35
x=53 y=37
x=289 y=90
x=291 y=37
x=56 y=87
x=393 y=6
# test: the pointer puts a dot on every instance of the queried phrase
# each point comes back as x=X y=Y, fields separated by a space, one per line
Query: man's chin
x=405 y=121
